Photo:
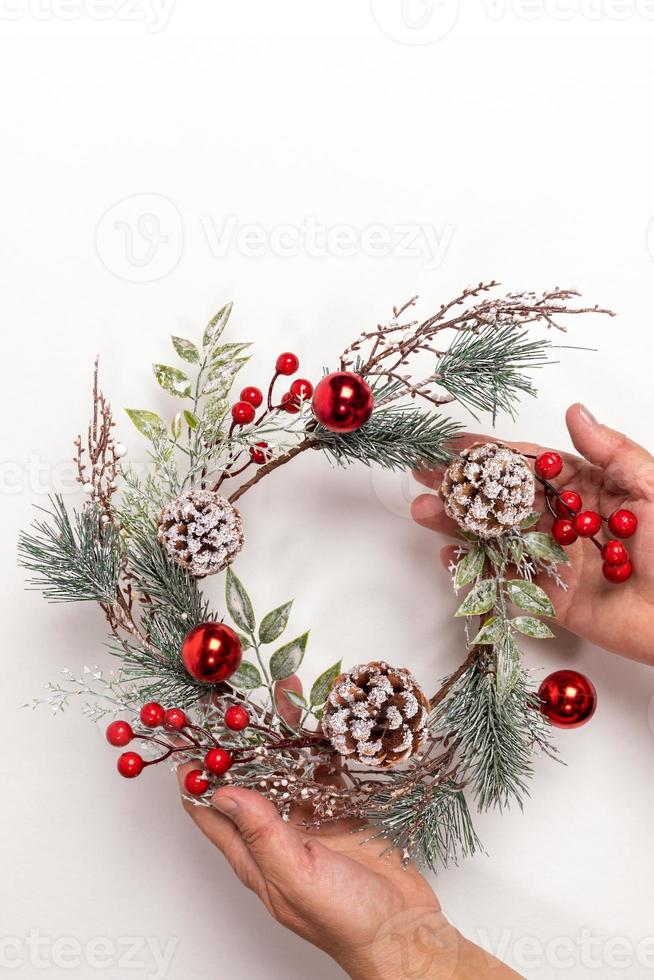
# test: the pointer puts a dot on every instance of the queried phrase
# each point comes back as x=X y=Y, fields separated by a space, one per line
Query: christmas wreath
x=196 y=683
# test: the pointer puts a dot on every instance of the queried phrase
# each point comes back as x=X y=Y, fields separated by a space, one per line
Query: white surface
x=522 y=138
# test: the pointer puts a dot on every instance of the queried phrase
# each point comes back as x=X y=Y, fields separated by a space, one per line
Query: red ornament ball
x=211 y=652
x=587 y=523
x=548 y=465
x=256 y=454
x=343 y=402
x=623 y=523
x=563 y=531
x=302 y=388
x=218 y=761
x=243 y=413
x=290 y=403
x=119 y=733
x=252 y=395
x=237 y=718
x=615 y=553
x=130 y=764
x=617 y=573
x=287 y=363
x=568 y=500
x=568 y=699
x=152 y=714
x=175 y=720
x=195 y=782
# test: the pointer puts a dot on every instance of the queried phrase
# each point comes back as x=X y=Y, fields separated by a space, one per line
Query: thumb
x=627 y=466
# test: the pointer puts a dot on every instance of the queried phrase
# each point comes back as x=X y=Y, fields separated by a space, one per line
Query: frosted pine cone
x=376 y=715
x=488 y=489
x=201 y=530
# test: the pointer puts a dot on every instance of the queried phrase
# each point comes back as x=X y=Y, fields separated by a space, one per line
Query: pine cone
x=201 y=530
x=377 y=714
x=488 y=489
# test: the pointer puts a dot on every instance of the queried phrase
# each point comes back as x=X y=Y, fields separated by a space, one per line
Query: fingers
x=626 y=465
x=289 y=712
x=428 y=510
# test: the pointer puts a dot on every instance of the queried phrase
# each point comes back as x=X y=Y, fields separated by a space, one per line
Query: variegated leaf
x=172 y=380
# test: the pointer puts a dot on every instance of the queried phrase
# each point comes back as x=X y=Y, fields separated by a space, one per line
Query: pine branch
x=71 y=560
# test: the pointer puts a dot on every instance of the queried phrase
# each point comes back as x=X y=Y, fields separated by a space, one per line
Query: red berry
x=623 y=523
x=218 y=761
x=548 y=465
x=252 y=395
x=566 y=501
x=617 y=573
x=175 y=720
x=256 y=454
x=119 y=733
x=302 y=388
x=290 y=403
x=287 y=363
x=615 y=553
x=243 y=413
x=130 y=764
x=563 y=531
x=152 y=714
x=195 y=782
x=237 y=718
x=587 y=523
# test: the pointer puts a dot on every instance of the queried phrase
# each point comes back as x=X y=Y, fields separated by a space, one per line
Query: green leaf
x=246 y=678
x=469 y=536
x=274 y=623
x=172 y=380
x=295 y=698
x=532 y=627
x=221 y=377
x=238 y=603
x=186 y=350
x=288 y=658
x=516 y=550
x=469 y=567
x=246 y=642
x=541 y=545
x=148 y=423
x=191 y=419
x=507 y=666
x=323 y=685
x=176 y=426
x=494 y=555
x=528 y=522
x=226 y=353
x=530 y=597
x=216 y=326
x=480 y=599
x=491 y=631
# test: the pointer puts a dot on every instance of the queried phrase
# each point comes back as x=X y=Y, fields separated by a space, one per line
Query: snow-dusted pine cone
x=376 y=715
x=488 y=489
x=201 y=530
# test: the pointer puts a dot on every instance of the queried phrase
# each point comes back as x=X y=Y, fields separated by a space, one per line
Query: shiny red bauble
x=623 y=523
x=617 y=573
x=587 y=523
x=119 y=733
x=152 y=714
x=130 y=764
x=563 y=531
x=290 y=403
x=256 y=453
x=548 y=465
x=615 y=553
x=211 y=652
x=175 y=720
x=243 y=413
x=343 y=401
x=567 y=501
x=195 y=782
x=218 y=761
x=287 y=363
x=302 y=388
x=568 y=699
x=252 y=395
x=237 y=718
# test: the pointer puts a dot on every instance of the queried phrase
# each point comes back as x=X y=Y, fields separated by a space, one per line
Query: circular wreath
x=200 y=684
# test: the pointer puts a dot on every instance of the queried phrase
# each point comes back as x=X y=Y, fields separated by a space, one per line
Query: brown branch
x=267 y=468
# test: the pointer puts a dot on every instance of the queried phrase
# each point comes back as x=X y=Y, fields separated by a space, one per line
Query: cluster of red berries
x=251 y=398
x=572 y=522
x=152 y=715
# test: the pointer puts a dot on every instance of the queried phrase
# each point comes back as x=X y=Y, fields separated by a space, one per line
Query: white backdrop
x=317 y=164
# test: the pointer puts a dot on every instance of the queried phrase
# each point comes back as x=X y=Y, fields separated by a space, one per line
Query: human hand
x=614 y=472
x=339 y=890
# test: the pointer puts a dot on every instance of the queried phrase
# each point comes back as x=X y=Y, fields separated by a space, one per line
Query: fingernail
x=226 y=805
x=587 y=416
